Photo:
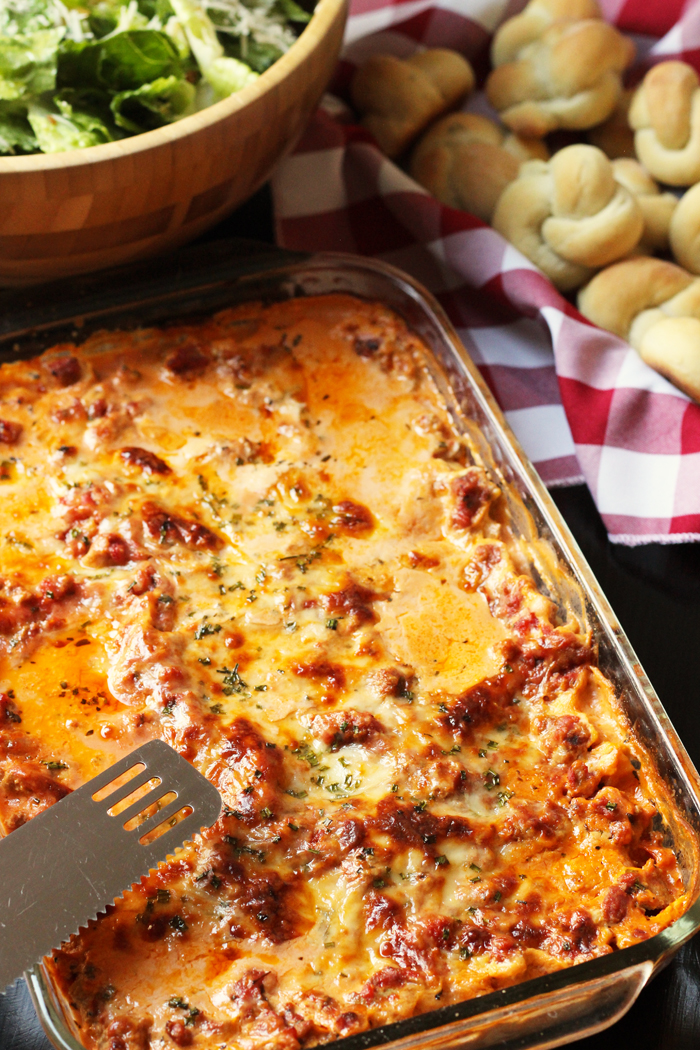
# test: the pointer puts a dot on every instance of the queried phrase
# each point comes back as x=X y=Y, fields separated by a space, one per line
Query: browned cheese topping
x=262 y=540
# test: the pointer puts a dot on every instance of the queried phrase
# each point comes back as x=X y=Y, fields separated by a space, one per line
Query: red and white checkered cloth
x=582 y=402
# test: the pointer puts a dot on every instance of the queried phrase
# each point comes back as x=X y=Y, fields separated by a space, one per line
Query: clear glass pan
x=546 y=1011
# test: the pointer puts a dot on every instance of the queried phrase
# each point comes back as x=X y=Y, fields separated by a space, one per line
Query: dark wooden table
x=655 y=591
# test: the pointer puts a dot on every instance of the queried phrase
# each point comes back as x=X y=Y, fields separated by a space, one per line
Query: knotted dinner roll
x=517 y=32
x=665 y=115
x=655 y=306
x=397 y=97
x=569 y=216
x=466 y=161
x=657 y=207
x=565 y=74
x=685 y=230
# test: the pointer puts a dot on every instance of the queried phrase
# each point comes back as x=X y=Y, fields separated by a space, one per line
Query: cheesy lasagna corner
x=261 y=539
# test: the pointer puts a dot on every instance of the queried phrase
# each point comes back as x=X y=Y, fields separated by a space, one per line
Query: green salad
x=79 y=74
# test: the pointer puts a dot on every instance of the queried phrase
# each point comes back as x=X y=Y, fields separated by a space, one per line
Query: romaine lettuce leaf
x=25 y=16
x=227 y=75
x=101 y=24
x=92 y=103
x=123 y=62
x=76 y=73
x=28 y=63
x=16 y=135
x=161 y=9
x=200 y=31
x=258 y=56
x=224 y=74
x=60 y=126
x=292 y=11
x=179 y=38
x=104 y=17
x=152 y=105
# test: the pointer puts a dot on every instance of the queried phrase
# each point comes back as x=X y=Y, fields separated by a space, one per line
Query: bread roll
x=657 y=207
x=466 y=161
x=672 y=348
x=655 y=306
x=569 y=216
x=665 y=116
x=685 y=230
x=397 y=98
x=553 y=70
x=516 y=33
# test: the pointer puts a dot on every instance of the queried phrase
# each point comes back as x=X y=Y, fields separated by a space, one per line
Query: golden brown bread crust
x=517 y=32
x=657 y=208
x=567 y=76
x=397 y=98
x=672 y=347
x=569 y=216
x=466 y=161
x=655 y=305
x=450 y=72
x=685 y=230
x=665 y=116
x=615 y=297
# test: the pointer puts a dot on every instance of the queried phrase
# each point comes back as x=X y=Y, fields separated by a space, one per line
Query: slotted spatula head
x=68 y=863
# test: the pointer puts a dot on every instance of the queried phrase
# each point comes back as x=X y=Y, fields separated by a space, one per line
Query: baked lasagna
x=263 y=539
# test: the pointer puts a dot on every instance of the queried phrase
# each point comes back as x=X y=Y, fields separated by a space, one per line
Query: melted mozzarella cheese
x=261 y=539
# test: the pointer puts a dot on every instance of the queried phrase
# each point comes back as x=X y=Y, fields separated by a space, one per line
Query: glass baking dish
x=545 y=1011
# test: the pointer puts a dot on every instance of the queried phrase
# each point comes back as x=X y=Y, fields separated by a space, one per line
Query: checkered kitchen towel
x=583 y=404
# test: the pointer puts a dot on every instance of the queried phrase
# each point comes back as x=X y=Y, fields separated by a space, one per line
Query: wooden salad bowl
x=85 y=209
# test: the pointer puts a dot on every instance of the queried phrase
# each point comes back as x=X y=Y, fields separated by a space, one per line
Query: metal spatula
x=68 y=863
